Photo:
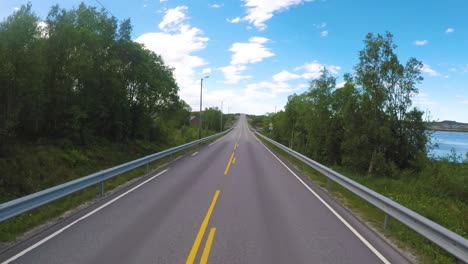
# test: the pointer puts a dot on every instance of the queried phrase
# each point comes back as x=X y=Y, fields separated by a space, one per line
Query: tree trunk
x=371 y=163
x=292 y=138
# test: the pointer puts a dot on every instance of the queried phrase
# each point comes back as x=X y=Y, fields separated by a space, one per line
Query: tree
x=79 y=75
x=387 y=89
x=211 y=118
x=348 y=126
x=21 y=71
x=367 y=125
x=319 y=120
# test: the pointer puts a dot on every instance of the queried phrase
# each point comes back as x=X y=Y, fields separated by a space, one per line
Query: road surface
x=232 y=201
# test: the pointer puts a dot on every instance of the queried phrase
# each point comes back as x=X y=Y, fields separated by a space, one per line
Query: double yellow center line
x=232 y=160
x=196 y=244
x=201 y=232
x=229 y=164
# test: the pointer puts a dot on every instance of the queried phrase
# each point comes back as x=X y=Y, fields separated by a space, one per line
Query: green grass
x=49 y=165
x=418 y=193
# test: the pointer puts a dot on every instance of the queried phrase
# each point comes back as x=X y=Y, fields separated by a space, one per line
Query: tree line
x=77 y=74
x=368 y=125
x=212 y=120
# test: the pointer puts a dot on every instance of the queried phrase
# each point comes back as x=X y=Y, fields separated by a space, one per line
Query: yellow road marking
x=228 y=164
x=234 y=160
x=206 y=250
x=201 y=232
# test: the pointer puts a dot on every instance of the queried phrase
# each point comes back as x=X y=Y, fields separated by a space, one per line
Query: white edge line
x=194 y=153
x=220 y=139
x=216 y=141
x=78 y=220
x=356 y=233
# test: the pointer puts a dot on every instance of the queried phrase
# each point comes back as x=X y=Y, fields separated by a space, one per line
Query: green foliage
x=73 y=80
x=368 y=124
x=81 y=76
x=211 y=119
x=255 y=120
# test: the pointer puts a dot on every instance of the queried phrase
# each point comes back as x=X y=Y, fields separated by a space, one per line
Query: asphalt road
x=232 y=201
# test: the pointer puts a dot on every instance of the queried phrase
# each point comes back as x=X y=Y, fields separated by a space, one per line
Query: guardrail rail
x=35 y=200
x=439 y=235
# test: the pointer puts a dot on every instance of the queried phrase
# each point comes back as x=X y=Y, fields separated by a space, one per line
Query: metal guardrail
x=439 y=235
x=32 y=201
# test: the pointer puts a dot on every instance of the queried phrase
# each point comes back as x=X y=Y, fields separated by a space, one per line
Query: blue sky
x=258 y=52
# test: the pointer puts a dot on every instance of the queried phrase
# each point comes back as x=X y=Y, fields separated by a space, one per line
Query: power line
x=107 y=10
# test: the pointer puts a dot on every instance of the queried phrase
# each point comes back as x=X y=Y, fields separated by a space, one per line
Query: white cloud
x=258 y=40
x=234 y=20
x=421 y=42
x=215 y=6
x=260 y=11
x=321 y=25
x=428 y=70
x=269 y=89
x=245 y=53
x=232 y=73
x=43 y=28
x=423 y=99
x=314 y=69
x=251 y=52
x=324 y=33
x=450 y=30
x=252 y=100
x=453 y=69
x=173 y=19
x=145 y=5
x=16 y=8
x=285 y=76
x=161 y=1
x=341 y=84
x=464 y=102
x=177 y=44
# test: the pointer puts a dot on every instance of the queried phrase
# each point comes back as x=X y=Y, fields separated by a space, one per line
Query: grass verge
x=412 y=193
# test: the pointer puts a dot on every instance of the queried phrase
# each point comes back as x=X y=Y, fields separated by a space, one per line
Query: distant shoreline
x=449 y=129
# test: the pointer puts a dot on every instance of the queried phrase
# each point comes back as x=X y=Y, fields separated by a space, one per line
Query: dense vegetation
x=75 y=82
x=367 y=125
x=80 y=75
x=211 y=119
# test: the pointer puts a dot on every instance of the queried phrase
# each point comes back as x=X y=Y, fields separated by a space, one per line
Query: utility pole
x=221 y=123
x=201 y=94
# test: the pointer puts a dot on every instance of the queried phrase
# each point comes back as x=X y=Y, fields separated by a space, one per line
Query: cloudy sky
x=258 y=52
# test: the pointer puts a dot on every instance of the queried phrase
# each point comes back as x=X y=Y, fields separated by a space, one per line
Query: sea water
x=448 y=140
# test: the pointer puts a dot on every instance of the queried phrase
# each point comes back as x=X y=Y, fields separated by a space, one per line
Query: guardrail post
x=329 y=183
x=386 y=224
x=102 y=188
